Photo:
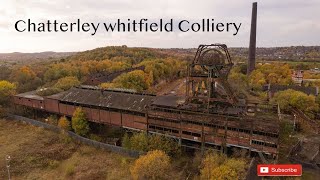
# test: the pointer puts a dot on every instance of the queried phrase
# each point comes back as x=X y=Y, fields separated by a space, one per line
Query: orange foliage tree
x=154 y=165
x=64 y=123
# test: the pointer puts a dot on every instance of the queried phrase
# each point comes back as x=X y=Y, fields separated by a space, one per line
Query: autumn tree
x=257 y=80
x=163 y=69
x=67 y=82
x=5 y=72
x=275 y=73
x=64 y=123
x=79 y=122
x=291 y=98
x=6 y=90
x=238 y=81
x=215 y=166
x=107 y=85
x=25 y=78
x=137 y=80
x=154 y=165
x=143 y=142
x=165 y=144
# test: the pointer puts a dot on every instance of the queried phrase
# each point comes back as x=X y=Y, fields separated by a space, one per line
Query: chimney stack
x=252 y=45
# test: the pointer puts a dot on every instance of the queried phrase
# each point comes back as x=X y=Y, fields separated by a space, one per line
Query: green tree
x=139 y=142
x=79 y=122
x=126 y=141
x=154 y=165
x=7 y=89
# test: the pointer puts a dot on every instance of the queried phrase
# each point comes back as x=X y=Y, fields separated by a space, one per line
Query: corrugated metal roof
x=30 y=95
x=104 y=98
x=169 y=101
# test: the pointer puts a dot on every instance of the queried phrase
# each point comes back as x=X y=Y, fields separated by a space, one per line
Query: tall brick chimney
x=252 y=45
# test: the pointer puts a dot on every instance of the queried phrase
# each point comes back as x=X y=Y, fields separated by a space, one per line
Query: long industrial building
x=210 y=115
x=160 y=114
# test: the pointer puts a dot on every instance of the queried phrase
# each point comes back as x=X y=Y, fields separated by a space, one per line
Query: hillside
x=29 y=58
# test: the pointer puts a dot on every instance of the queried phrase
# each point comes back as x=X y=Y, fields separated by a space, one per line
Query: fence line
x=76 y=137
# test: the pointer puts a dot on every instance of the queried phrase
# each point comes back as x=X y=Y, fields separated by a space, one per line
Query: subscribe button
x=279 y=170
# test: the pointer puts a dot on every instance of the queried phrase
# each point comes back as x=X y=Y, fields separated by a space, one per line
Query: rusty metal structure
x=209 y=116
x=207 y=86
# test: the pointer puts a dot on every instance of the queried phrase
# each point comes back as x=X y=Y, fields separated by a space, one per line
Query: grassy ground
x=40 y=154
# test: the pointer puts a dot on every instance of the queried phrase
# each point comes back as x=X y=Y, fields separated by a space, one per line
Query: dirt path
x=176 y=87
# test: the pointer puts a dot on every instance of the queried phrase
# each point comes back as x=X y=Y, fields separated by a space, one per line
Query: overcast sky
x=280 y=23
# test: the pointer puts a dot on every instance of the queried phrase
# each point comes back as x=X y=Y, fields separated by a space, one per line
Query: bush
x=142 y=142
x=158 y=142
x=215 y=166
x=139 y=142
x=69 y=170
x=53 y=119
x=154 y=165
x=95 y=137
x=7 y=89
x=126 y=141
x=80 y=125
x=64 y=123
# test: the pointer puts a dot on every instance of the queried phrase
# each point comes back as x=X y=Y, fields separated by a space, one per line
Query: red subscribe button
x=279 y=170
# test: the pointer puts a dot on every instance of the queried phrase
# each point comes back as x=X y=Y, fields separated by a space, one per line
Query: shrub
x=95 y=137
x=69 y=169
x=6 y=90
x=53 y=119
x=142 y=142
x=80 y=124
x=154 y=165
x=163 y=143
x=139 y=141
x=64 y=123
x=126 y=141
x=215 y=166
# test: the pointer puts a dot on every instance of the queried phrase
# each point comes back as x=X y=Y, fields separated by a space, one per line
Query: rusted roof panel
x=104 y=98
x=30 y=95
x=169 y=101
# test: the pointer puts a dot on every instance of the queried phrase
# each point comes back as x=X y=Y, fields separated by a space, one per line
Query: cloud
x=280 y=23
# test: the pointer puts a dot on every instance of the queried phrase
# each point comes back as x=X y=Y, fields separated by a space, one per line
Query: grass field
x=40 y=154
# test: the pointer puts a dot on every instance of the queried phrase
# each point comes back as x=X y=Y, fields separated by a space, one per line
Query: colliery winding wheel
x=207 y=85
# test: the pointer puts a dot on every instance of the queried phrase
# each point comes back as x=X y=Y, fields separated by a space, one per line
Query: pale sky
x=280 y=23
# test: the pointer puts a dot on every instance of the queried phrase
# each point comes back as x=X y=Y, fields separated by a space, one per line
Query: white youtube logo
x=264 y=170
